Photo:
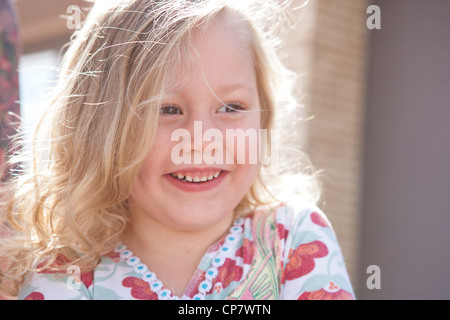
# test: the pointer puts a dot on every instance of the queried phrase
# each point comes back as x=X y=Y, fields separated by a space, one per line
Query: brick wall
x=328 y=49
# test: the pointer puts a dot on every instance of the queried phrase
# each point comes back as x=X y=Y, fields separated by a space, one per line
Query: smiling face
x=219 y=92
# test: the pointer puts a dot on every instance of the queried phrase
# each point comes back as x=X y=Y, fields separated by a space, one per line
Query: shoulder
x=290 y=222
x=313 y=264
x=298 y=248
x=303 y=223
x=293 y=221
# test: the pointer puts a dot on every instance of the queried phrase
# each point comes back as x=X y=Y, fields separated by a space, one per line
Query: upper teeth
x=196 y=178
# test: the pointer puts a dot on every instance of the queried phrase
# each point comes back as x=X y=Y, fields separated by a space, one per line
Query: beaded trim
x=157 y=286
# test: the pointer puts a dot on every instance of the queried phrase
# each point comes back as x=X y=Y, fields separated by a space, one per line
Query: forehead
x=219 y=53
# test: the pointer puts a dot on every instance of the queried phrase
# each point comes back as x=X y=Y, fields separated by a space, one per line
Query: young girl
x=110 y=214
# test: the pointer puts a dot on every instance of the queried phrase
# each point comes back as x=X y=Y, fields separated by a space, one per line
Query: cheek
x=156 y=161
x=242 y=144
x=152 y=168
x=246 y=150
x=244 y=179
x=247 y=175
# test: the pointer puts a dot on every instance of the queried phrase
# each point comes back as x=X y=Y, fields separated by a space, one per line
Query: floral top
x=279 y=254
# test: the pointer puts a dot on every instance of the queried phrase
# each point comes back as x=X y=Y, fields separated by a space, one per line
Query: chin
x=200 y=215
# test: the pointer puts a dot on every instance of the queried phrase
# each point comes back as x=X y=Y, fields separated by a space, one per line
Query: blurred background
x=376 y=81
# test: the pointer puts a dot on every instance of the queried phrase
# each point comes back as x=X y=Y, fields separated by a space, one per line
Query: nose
x=206 y=139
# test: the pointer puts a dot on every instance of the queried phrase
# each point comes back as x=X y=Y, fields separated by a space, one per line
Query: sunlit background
x=380 y=101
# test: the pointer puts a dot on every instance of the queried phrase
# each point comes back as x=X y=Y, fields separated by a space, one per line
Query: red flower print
x=229 y=272
x=56 y=267
x=139 y=288
x=330 y=292
x=86 y=278
x=35 y=296
x=319 y=220
x=301 y=260
x=246 y=251
x=282 y=231
x=114 y=256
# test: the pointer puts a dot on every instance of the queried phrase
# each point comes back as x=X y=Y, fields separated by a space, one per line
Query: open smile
x=196 y=177
x=195 y=181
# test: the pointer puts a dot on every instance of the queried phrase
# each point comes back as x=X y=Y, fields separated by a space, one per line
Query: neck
x=164 y=249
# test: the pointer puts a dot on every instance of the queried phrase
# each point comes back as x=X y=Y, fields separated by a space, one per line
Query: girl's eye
x=228 y=108
x=170 y=110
